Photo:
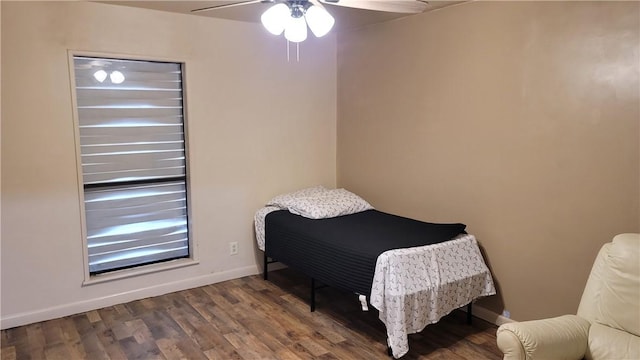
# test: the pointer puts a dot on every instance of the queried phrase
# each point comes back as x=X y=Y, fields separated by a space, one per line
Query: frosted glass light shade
x=275 y=18
x=319 y=20
x=296 y=29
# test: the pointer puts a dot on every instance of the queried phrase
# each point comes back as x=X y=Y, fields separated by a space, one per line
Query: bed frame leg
x=265 y=273
x=469 y=313
x=313 y=295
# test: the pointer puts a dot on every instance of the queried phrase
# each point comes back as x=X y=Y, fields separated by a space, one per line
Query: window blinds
x=132 y=148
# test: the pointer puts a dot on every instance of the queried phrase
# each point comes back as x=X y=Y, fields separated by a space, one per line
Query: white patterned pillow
x=282 y=200
x=321 y=204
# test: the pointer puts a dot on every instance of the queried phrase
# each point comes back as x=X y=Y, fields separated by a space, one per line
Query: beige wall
x=258 y=126
x=519 y=119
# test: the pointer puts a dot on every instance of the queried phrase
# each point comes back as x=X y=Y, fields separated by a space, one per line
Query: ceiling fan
x=293 y=16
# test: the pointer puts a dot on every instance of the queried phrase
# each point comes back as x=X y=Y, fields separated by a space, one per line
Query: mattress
x=342 y=251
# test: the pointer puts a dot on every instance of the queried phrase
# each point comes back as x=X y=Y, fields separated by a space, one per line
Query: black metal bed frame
x=312 y=296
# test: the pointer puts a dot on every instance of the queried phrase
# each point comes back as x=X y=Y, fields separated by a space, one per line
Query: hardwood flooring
x=246 y=318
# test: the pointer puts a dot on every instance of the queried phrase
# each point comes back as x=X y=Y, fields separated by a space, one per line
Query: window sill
x=141 y=270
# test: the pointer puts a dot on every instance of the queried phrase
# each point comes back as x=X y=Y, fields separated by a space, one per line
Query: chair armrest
x=563 y=337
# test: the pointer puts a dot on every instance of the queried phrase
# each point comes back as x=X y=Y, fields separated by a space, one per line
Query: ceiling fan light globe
x=276 y=18
x=319 y=20
x=296 y=29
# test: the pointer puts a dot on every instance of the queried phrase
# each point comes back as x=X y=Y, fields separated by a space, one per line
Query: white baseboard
x=488 y=315
x=110 y=300
x=157 y=290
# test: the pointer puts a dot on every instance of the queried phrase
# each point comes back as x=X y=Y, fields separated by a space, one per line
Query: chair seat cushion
x=606 y=343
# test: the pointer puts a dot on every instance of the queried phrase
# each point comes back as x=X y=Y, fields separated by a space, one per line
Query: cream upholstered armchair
x=607 y=325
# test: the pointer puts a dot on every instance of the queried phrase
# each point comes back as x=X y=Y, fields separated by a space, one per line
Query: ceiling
x=345 y=17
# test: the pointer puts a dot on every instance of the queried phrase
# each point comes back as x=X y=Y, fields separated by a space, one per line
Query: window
x=133 y=160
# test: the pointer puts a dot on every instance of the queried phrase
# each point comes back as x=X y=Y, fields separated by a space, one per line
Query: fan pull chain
x=297 y=51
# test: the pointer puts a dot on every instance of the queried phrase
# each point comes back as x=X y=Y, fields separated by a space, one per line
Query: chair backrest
x=612 y=294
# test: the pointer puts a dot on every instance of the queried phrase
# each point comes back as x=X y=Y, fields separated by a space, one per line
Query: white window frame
x=192 y=260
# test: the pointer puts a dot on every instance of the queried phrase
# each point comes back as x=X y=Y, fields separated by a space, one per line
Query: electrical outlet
x=233 y=248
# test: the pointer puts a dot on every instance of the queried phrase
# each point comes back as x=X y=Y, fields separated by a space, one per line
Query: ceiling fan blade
x=397 y=6
x=317 y=3
x=226 y=6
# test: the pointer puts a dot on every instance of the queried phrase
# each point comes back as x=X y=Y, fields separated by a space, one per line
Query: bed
x=412 y=272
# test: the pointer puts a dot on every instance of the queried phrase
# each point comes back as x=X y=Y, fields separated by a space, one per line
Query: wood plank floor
x=246 y=318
